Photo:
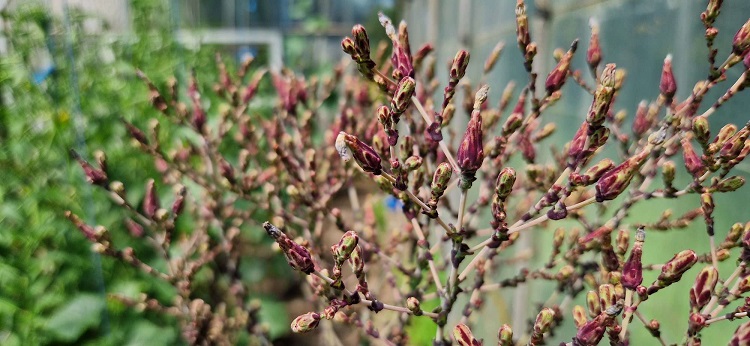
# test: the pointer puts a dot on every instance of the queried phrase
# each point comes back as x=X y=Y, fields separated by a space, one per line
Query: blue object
x=393 y=203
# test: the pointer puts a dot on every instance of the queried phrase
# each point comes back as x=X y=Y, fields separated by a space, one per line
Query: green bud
x=730 y=184
x=579 y=316
x=412 y=304
x=544 y=321
x=402 y=97
x=701 y=130
x=668 y=173
x=505 y=336
x=504 y=183
x=592 y=302
x=607 y=295
x=441 y=178
x=345 y=247
x=679 y=264
x=412 y=163
x=463 y=336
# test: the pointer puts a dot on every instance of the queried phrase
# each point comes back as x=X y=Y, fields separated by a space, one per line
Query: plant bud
x=594 y=53
x=94 y=176
x=522 y=26
x=693 y=162
x=402 y=97
x=412 y=304
x=361 y=41
x=596 y=171
x=492 y=58
x=733 y=146
x=412 y=163
x=505 y=336
x=504 y=184
x=632 y=270
x=305 y=323
x=668 y=173
x=296 y=255
x=544 y=321
x=602 y=97
x=741 y=336
x=350 y=146
x=345 y=246
x=150 y=200
x=701 y=130
x=463 y=336
x=513 y=123
x=545 y=132
x=460 y=62
x=348 y=46
x=614 y=181
x=577 y=145
x=471 y=152
x=642 y=122
x=556 y=78
x=592 y=332
x=623 y=241
x=730 y=184
x=667 y=85
x=607 y=295
x=579 y=316
x=743 y=285
x=741 y=41
x=440 y=180
x=679 y=264
x=357 y=261
x=696 y=322
x=723 y=136
x=703 y=287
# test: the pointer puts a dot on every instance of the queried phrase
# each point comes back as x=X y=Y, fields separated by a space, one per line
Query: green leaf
x=70 y=321
x=147 y=333
x=273 y=313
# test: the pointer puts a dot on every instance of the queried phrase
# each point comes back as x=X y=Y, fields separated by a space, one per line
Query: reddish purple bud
x=632 y=270
x=136 y=133
x=667 y=85
x=594 y=53
x=361 y=41
x=592 y=332
x=150 y=200
x=734 y=145
x=134 y=228
x=296 y=255
x=577 y=145
x=305 y=323
x=463 y=336
x=679 y=264
x=641 y=123
x=471 y=150
x=348 y=46
x=87 y=230
x=422 y=53
x=94 y=175
x=350 y=146
x=602 y=96
x=556 y=78
x=614 y=182
x=741 y=41
x=696 y=322
x=693 y=162
x=402 y=97
x=703 y=287
x=179 y=201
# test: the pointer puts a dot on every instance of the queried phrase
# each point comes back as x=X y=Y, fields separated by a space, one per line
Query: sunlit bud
x=723 y=136
x=730 y=184
x=161 y=215
x=493 y=57
x=348 y=46
x=733 y=146
x=305 y=323
x=594 y=53
x=741 y=336
x=513 y=123
x=704 y=285
x=734 y=234
x=632 y=270
x=579 y=316
x=544 y=321
x=117 y=187
x=350 y=146
x=602 y=96
x=505 y=336
x=463 y=336
x=679 y=264
x=448 y=113
x=712 y=11
x=412 y=304
x=744 y=284
x=357 y=261
x=150 y=200
x=693 y=162
x=596 y=171
x=504 y=184
x=460 y=62
x=343 y=249
x=667 y=85
x=668 y=173
x=701 y=129
x=412 y=163
x=556 y=78
x=607 y=295
x=614 y=181
x=741 y=41
x=707 y=207
x=440 y=180
x=361 y=41
x=402 y=97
